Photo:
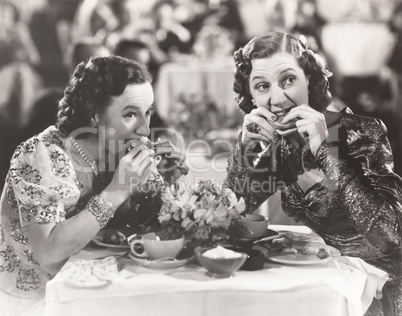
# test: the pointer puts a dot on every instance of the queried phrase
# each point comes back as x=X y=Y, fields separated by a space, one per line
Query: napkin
x=89 y=273
x=360 y=294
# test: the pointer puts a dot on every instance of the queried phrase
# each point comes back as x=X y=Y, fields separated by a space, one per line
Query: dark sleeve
x=254 y=184
x=369 y=191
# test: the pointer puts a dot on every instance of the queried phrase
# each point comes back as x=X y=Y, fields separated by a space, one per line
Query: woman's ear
x=95 y=121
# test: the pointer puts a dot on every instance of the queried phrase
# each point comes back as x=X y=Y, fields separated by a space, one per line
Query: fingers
x=135 y=151
x=166 y=146
x=265 y=113
x=146 y=166
x=301 y=112
x=137 y=155
x=168 y=165
x=265 y=130
x=170 y=151
x=175 y=156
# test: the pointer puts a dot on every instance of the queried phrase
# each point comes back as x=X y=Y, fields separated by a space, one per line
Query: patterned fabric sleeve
x=43 y=182
x=250 y=182
x=369 y=191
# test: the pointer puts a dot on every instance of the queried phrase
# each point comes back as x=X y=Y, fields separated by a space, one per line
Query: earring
x=253 y=101
x=93 y=124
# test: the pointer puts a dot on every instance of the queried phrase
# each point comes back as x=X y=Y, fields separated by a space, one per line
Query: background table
x=197 y=97
x=277 y=290
x=213 y=78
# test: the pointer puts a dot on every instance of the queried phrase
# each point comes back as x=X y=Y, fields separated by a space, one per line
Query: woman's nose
x=143 y=127
x=278 y=97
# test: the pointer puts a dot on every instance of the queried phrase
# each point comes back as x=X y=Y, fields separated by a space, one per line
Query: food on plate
x=285 y=245
x=113 y=237
x=322 y=253
x=275 y=245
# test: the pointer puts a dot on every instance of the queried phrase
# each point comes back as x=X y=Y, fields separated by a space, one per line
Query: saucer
x=183 y=257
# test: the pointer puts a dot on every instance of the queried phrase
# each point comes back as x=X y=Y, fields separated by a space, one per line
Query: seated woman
x=65 y=184
x=334 y=170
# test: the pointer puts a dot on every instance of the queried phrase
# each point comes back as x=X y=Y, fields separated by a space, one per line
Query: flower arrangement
x=204 y=214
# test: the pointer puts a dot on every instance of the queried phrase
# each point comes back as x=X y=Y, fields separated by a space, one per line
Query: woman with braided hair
x=66 y=183
x=334 y=169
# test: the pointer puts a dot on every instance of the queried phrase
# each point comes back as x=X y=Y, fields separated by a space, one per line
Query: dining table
x=107 y=281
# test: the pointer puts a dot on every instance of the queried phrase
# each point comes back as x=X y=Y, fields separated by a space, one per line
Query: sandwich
x=129 y=145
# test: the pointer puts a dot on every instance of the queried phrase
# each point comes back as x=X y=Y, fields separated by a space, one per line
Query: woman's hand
x=267 y=125
x=172 y=166
x=132 y=172
x=310 y=124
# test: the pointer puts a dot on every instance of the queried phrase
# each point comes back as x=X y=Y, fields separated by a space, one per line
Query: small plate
x=306 y=254
x=184 y=257
x=97 y=240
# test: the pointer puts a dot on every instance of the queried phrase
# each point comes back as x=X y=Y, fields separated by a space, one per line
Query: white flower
x=164 y=218
x=209 y=216
x=241 y=205
x=200 y=213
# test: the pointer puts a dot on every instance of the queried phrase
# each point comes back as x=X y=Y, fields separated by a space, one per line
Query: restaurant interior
x=188 y=46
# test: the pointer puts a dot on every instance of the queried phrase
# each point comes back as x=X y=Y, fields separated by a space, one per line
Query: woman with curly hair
x=334 y=169
x=66 y=183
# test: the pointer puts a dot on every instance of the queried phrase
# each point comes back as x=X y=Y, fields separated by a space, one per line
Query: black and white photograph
x=201 y=157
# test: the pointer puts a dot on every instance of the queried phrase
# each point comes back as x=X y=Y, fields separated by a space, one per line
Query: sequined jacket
x=356 y=208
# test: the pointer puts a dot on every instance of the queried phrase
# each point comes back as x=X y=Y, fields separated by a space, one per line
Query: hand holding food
x=262 y=125
x=310 y=123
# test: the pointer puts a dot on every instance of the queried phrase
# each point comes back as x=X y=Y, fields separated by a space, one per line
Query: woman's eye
x=262 y=86
x=130 y=115
x=289 y=80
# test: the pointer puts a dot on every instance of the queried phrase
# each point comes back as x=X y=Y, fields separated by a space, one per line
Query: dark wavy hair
x=91 y=88
x=268 y=44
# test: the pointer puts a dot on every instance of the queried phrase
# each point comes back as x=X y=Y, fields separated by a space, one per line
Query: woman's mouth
x=283 y=112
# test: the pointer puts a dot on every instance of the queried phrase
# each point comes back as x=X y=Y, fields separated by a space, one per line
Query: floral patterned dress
x=42 y=187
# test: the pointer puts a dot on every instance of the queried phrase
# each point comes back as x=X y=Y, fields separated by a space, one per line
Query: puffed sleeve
x=44 y=182
x=369 y=191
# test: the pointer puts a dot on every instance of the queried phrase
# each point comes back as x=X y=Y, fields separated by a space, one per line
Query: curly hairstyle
x=91 y=88
x=268 y=44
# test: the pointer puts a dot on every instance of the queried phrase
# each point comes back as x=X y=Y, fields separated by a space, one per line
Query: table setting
x=96 y=286
x=196 y=263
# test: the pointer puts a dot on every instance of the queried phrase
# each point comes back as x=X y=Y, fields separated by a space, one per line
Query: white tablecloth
x=345 y=286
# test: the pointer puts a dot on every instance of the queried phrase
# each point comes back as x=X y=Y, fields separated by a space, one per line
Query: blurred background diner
x=188 y=46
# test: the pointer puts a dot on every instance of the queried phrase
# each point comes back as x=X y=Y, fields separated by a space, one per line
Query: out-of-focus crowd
x=41 y=42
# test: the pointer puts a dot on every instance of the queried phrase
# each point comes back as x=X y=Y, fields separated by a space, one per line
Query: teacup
x=256 y=225
x=155 y=248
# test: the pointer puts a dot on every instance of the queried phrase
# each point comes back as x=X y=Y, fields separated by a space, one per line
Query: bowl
x=219 y=267
x=255 y=226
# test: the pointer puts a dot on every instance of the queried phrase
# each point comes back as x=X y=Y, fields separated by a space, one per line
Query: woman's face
x=277 y=80
x=127 y=117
